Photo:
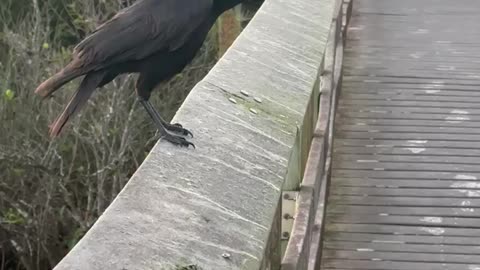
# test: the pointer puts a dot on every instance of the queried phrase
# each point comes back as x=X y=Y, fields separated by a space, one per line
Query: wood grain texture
x=404 y=192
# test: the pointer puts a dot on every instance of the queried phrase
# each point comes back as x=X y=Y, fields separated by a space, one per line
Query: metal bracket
x=289 y=206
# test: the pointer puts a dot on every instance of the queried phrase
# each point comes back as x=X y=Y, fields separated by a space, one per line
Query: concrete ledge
x=193 y=206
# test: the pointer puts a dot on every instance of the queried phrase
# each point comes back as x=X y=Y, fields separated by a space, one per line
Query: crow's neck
x=220 y=6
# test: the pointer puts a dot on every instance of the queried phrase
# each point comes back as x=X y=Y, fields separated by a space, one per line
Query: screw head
x=226 y=255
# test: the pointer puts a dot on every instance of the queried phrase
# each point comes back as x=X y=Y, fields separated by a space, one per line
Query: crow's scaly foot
x=177 y=128
x=178 y=140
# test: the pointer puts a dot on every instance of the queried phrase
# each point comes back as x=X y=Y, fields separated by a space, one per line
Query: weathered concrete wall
x=186 y=206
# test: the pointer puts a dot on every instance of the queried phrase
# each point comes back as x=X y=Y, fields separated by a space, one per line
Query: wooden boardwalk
x=405 y=186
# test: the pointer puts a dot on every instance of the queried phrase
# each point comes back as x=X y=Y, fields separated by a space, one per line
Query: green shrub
x=51 y=192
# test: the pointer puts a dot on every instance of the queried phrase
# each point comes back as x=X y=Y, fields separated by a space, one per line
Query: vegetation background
x=51 y=192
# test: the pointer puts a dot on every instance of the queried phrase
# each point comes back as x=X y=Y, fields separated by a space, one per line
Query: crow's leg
x=162 y=125
x=172 y=127
x=144 y=87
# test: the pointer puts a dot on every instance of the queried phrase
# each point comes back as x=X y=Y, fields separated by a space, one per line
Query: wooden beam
x=228 y=30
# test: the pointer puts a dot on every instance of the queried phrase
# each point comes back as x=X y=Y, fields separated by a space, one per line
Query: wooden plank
x=414 y=104
x=404 y=58
x=386 y=123
x=404 y=174
x=379 y=144
x=404 y=64
x=405 y=201
x=405 y=55
x=411 y=80
x=374 y=134
x=373 y=85
x=321 y=128
x=349 y=8
x=355 y=44
x=315 y=165
x=404 y=211
x=411 y=166
x=325 y=133
x=389 y=110
x=424 y=96
x=327 y=85
x=381 y=265
x=416 y=92
x=378 y=71
x=453 y=222
x=406 y=157
x=389 y=40
x=401 y=54
x=405 y=183
x=441 y=51
x=402 y=247
x=471 y=241
x=401 y=256
x=405 y=192
x=412 y=129
x=408 y=106
x=316 y=247
x=427 y=84
x=406 y=114
x=398 y=153
x=298 y=247
x=397 y=230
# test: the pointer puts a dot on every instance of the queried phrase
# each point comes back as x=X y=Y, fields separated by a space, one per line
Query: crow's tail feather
x=78 y=100
x=48 y=87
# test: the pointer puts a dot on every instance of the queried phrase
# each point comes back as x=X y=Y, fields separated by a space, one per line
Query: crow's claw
x=179 y=129
x=177 y=140
x=187 y=132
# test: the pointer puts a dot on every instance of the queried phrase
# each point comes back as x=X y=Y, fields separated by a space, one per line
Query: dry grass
x=51 y=192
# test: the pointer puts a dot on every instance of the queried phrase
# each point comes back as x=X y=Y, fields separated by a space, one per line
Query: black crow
x=155 y=38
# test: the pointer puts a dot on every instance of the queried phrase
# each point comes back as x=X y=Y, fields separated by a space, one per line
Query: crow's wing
x=146 y=27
